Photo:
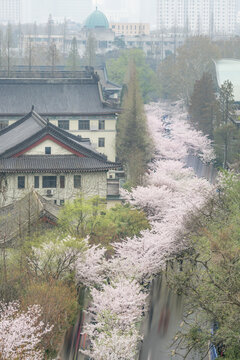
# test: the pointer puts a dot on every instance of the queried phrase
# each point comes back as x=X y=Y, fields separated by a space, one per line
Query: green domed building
x=97 y=25
x=96 y=20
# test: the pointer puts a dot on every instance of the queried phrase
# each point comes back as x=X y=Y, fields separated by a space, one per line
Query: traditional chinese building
x=72 y=103
x=37 y=155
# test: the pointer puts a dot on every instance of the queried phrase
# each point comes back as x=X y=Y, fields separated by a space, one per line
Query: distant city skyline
x=78 y=10
x=36 y=10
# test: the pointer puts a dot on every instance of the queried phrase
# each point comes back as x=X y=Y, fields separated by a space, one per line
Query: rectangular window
x=62 y=202
x=62 y=182
x=83 y=124
x=63 y=124
x=48 y=150
x=101 y=124
x=77 y=181
x=36 y=182
x=101 y=142
x=49 y=182
x=21 y=182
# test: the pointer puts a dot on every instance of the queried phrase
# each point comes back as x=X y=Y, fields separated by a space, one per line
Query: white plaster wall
x=92 y=184
x=110 y=143
x=56 y=149
x=109 y=134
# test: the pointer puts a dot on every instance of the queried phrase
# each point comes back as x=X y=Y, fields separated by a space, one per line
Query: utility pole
x=64 y=36
x=30 y=54
x=9 y=43
x=50 y=28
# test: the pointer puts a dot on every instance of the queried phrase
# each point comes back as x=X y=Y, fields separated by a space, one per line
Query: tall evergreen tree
x=73 y=58
x=203 y=105
x=52 y=55
x=226 y=133
x=91 y=47
x=133 y=139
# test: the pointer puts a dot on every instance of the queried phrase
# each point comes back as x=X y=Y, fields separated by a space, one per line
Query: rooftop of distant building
x=97 y=20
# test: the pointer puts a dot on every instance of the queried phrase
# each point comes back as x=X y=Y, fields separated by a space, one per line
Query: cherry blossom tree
x=115 y=311
x=123 y=299
x=58 y=258
x=21 y=333
x=174 y=136
x=55 y=258
x=172 y=193
x=91 y=266
x=114 y=344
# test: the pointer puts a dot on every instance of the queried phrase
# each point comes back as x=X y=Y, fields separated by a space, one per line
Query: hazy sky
x=117 y=10
x=78 y=10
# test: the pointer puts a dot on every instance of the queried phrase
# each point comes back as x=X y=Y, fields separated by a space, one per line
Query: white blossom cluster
x=172 y=192
x=21 y=333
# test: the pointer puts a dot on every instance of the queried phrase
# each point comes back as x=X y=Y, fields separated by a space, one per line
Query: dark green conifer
x=133 y=140
x=203 y=105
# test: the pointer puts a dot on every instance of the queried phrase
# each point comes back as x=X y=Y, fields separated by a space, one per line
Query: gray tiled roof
x=50 y=98
x=31 y=128
x=54 y=164
x=20 y=132
x=106 y=84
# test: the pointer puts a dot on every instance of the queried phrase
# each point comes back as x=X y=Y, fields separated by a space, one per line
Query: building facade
x=75 y=105
x=198 y=16
x=37 y=155
x=130 y=29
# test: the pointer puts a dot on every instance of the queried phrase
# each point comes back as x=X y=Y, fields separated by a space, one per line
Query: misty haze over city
x=119 y=179
x=77 y=10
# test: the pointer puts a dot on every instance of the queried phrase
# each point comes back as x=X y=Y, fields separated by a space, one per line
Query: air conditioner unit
x=49 y=192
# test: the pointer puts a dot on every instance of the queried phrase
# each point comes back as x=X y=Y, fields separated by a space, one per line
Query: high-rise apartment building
x=10 y=11
x=198 y=16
